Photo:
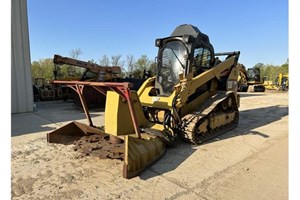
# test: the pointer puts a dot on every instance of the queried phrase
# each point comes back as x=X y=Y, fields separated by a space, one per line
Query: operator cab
x=186 y=51
x=253 y=75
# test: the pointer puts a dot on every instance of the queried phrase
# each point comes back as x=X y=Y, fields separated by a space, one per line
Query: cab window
x=202 y=57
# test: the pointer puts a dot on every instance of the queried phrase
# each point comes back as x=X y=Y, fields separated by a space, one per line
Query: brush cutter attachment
x=121 y=138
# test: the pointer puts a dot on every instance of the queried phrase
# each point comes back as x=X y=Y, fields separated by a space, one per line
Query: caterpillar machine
x=242 y=78
x=193 y=96
x=250 y=80
x=254 y=80
x=283 y=82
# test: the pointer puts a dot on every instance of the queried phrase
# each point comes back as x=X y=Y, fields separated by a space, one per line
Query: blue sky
x=257 y=28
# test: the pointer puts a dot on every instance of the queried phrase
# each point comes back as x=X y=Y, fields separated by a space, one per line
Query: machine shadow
x=252 y=119
x=249 y=120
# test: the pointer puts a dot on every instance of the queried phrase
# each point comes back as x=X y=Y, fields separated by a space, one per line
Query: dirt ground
x=249 y=162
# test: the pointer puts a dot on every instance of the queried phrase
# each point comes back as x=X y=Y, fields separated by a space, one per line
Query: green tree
x=143 y=63
x=153 y=68
x=271 y=71
x=42 y=69
x=285 y=68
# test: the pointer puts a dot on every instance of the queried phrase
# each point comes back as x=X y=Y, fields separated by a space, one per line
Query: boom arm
x=59 y=60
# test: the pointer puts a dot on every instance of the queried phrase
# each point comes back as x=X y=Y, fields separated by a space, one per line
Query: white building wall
x=21 y=80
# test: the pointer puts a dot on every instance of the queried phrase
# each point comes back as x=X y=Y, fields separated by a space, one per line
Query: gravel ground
x=249 y=162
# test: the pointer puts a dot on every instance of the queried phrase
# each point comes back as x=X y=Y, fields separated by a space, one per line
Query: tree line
x=270 y=72
x=131 y=67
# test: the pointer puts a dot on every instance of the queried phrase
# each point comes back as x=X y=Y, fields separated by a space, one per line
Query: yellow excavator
x=283 y=82
x=193 y=96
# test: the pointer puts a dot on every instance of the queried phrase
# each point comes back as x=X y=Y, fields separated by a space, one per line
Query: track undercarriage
x=218 y=115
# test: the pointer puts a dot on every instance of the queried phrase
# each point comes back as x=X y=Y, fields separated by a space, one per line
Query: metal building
x=21 y=80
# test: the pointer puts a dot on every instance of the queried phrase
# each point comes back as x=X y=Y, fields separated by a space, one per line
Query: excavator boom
x=59 y=60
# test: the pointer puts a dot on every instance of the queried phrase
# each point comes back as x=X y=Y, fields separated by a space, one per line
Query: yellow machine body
x=117 y=115
x=188 y=87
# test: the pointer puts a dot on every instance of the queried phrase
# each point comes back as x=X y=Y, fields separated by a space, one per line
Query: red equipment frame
x=123 y=89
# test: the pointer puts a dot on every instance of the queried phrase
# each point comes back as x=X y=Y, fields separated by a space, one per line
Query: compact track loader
x=193 y=96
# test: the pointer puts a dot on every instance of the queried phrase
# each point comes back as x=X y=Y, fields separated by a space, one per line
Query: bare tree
x=115 y=60
x=73 y=71
x=92 y=61
x=75 y=53
x=130 y=64
x=104 y=61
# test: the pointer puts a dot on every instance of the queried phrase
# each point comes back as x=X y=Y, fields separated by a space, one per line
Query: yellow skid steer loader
x=193 y=96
